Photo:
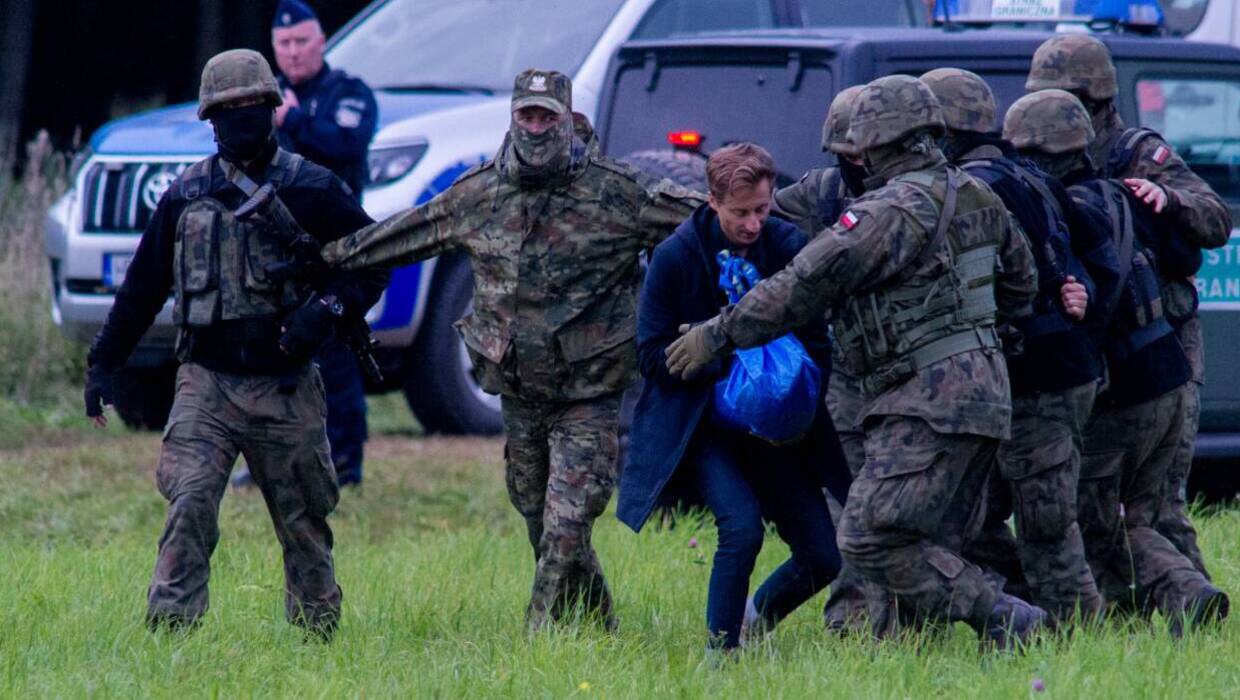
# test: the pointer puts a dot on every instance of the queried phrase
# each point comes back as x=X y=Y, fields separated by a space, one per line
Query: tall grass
x=36 y=362
x=436 y=571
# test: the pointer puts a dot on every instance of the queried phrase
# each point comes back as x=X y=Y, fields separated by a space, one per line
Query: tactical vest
x=907 y=322
x=1138 y=317
x=220 y=263
x=1051 y=243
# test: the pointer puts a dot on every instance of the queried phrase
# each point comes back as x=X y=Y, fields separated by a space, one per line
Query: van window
x=1201 y=119
x=871 y=13
x=417 y=44
x=733 y=97
x=671 y=17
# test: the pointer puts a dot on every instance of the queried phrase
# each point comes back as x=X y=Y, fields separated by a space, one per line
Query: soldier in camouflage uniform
x=927 y=263
x=1131 y=439
x=1081 y=65
x=553 y=231
x=814 y=203
x=1054 y=371
x=246 y=384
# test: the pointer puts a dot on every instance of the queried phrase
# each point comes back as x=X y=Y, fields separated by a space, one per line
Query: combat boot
x=1208 y=606
x=1012 y=623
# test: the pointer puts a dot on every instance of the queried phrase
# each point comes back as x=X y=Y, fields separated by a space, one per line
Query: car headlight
x=390 y=164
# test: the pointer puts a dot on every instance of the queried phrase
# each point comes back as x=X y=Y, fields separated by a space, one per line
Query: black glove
x=309 y=326
x=100 y=386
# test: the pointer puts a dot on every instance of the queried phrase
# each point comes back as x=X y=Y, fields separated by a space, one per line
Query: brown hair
x=738 y=166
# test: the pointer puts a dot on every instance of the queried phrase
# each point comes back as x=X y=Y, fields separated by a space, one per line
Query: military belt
x=896 y=373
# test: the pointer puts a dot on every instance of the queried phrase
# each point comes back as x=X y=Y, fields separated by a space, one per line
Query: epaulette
x=916 y=177
x=476 y=170
x=618 y=167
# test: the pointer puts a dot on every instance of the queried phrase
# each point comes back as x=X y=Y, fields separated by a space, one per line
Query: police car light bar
x=1133 y=13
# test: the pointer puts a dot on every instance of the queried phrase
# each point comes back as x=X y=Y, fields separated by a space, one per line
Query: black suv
x=773 y=88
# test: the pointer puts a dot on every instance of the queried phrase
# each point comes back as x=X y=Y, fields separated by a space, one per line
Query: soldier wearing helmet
x=1131 y=438
x=925 y=264
x=814 y=203
x=246 y=384
x=1149 y=166
x=1054 y=367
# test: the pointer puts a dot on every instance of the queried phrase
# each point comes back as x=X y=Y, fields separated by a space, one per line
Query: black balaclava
x=243 y=132
x=1061 y=165
x=854 y=176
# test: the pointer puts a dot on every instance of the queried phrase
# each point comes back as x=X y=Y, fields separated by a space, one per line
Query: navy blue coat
x=682 y=286
x=333 y=125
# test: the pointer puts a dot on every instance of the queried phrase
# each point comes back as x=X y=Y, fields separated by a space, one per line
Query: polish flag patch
x=1161 y=154
x=848 y=220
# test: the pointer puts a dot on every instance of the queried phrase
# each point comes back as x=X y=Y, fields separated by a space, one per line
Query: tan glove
x=697 y=348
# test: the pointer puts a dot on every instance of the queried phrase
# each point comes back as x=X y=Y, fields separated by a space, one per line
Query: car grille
x=120 y=197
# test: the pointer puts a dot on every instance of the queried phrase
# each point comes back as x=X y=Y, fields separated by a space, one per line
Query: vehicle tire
x=143 y=396
x=439 y=382
x=685 y=168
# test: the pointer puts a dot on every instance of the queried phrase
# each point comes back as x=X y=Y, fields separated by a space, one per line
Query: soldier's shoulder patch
x=849 y=219
x=1160 y=154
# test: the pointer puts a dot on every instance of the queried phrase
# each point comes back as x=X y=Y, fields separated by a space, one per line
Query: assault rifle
x=307 y=265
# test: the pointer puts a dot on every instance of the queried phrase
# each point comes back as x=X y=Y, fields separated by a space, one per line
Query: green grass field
x=436 y=572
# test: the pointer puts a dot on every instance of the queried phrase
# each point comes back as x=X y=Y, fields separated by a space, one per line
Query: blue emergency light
x=1134 y=13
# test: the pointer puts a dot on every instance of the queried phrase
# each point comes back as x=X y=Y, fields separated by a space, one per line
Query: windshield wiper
x=440 y=87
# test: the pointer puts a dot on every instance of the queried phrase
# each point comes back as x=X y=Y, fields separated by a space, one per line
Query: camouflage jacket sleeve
x=666 y=205
x=408 y=236
x=885 y=238
x=798 y=202
x=1204 y=218
x=1016 y=282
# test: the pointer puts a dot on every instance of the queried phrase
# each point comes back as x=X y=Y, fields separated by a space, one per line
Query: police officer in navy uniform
x=328 y=117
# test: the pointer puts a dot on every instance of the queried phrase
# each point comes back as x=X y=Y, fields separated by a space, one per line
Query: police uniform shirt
x=333 y=124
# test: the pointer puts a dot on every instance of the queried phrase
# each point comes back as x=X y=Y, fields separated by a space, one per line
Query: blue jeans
x=744 y=480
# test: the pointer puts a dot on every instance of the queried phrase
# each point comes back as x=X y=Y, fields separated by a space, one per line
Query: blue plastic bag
x=771 y=391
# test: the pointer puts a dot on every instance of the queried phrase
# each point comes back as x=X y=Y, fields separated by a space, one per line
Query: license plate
x=1218 y=280
x=115 y=265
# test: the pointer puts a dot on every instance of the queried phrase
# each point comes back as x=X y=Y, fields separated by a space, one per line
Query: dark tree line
x=69 y=66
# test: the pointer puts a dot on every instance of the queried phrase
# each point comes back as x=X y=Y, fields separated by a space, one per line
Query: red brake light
x=685 y=139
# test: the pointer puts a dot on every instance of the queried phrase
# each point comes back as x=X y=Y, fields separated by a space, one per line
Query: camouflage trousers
x=907 y=515
x=1173 y=521
x=215 y=417
x=1037 y=475
x=561 y=470
x=853 y=600
x=1128 y=452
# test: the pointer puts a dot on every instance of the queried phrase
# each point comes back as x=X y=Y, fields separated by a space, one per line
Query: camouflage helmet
x=835 y=128
x=233 y=76
x=1050 y=121
x=890 y=108
x=1076 y=63
x=966 y=99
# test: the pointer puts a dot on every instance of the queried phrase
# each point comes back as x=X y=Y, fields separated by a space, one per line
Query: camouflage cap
x=235 y=76
x=835 y=128
x=543 y=88
x=891 y=107
x=1050 y=121
x=1076 y=63
x=966 y=99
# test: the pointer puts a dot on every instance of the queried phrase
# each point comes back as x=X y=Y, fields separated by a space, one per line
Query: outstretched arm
x=403 y=238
